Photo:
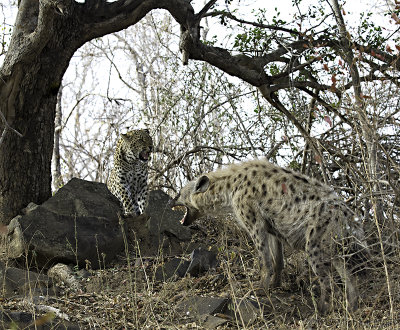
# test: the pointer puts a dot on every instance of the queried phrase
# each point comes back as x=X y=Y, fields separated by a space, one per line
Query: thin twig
x=6 y=127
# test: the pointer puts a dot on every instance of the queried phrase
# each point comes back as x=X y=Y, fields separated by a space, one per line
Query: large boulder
x=22 y=282
x=201 y=261
x=78 y=225
x=242 y=311
x=159 y=228
x=164 y=221
x=81 y=225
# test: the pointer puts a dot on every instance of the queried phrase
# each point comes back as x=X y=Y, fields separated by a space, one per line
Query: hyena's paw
x=276 y=282
x=263 y=288
x=324 y=307
x=260 y=291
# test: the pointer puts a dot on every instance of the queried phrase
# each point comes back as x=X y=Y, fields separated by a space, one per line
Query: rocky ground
x=130 y=295
x=172 y=287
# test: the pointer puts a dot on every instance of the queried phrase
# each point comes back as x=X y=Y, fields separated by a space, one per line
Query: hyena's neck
x=217 y=199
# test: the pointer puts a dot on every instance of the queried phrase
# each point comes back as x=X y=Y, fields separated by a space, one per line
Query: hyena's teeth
x=182 y=209
x=179 y=208
x=184 y=216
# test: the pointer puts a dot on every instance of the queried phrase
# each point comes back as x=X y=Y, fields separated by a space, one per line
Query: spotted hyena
x=276 y=205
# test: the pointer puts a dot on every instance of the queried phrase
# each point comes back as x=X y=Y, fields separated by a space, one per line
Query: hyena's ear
x=201 y=184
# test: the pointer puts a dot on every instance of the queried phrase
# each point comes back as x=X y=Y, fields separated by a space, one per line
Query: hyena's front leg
x=275 y=251
x=320 y=262
x=270 y=251
x=268 y=247
x=351 y=291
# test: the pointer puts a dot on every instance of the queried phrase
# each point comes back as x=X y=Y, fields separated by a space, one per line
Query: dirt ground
x=127 y=295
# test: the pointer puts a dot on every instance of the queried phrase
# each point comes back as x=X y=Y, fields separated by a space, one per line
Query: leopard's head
x=137 y=145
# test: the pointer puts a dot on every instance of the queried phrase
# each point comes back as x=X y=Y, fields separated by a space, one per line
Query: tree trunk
x=25 y=162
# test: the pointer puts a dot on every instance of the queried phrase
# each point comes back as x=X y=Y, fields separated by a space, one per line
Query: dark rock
x=15 y=281
x=163 y=220
x=245 y=311
x=158 y=229
x=23 y=320
x=78 y=225
x=18 y=317
x=201 y=260
x=175 y=267
x=197 y=306
x=211 y=322
x=84 y=199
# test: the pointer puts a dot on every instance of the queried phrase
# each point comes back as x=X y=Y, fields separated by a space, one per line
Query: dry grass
x=128 y=296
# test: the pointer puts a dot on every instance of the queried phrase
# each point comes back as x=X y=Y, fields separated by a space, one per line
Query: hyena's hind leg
x=321 y=266
x=323 y=269
x=347 y=278
x=324 y=260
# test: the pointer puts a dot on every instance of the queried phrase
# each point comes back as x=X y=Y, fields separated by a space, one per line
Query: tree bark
x=28 y=99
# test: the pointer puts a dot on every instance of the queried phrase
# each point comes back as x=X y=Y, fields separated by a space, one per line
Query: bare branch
x=7 y=127
x=260 y=25
x=202 y=13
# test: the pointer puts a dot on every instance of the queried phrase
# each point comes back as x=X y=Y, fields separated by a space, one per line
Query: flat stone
x=201 y=260
x=175 y=266
x=244 y=310
x=23 y=320
x=21 y=282
x=211 y=322
x=197 y=306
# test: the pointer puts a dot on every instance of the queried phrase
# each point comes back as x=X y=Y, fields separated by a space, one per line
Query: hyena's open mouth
x=181 y=208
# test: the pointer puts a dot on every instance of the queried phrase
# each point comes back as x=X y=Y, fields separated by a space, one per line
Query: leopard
x=277 y=206
x=128 y=177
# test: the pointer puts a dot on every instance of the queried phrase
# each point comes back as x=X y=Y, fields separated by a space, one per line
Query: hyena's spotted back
x=276 y=205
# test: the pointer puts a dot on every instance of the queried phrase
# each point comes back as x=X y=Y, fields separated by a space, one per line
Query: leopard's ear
x=202 y=184
x=146 y=130
x=125 y=137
